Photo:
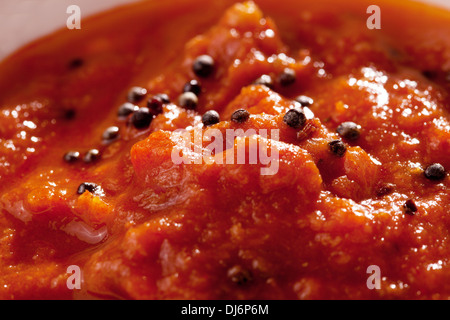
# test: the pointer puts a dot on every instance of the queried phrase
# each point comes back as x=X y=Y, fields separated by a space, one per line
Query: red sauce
x=155 y=229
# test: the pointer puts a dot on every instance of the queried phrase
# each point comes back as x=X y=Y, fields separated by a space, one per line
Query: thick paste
x=362 y=179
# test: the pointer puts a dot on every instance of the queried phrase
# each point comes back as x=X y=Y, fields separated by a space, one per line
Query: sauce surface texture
x=362 y=125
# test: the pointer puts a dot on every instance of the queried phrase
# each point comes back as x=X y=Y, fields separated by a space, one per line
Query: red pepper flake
x=306 y=131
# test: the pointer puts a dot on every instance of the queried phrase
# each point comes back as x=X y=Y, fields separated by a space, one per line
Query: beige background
x=24 y=20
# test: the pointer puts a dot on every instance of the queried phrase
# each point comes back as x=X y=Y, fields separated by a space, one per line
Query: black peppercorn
x=193 y=86
x=188 y=100
x=76 y=63
x=287 y=77
x=305 y=101
x=239 y=275
x=295 y=118
x=136 y=94
x=240 y=116
x=110 y=134
x=69 y=114
x=337 y=147
x=155 y=105
x=210 y=117
x=164 y=97
x=71 y=156
x=410 y=207
x=141 y=118
x=126 y=109
x=265 y=80
x=88 y=186
x=430 y=74
x=203 y=66
x=91 y=156
x=349 y=130
x=435 y=172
